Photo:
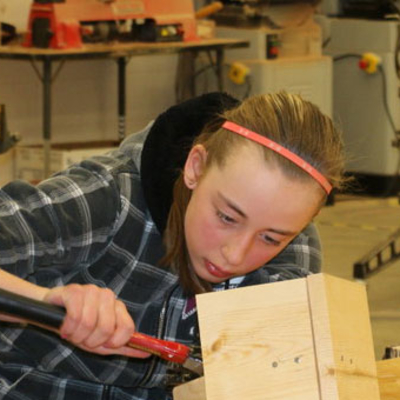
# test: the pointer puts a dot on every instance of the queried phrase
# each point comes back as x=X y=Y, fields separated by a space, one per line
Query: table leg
x=185 y=83
x=47 y=115
x=121 y=98
x=219 y=67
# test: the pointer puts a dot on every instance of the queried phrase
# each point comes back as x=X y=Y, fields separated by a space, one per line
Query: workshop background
x=340 y=54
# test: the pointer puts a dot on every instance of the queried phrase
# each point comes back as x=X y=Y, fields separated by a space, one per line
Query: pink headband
x=230 y=126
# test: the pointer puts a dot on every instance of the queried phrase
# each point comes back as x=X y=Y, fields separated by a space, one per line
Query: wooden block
x=305 y=339
x=193 y=390
x=257 y=343
x=389 y=379
x=343 y=341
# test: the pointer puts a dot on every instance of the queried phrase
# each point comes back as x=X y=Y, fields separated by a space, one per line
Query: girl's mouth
x=215 y=271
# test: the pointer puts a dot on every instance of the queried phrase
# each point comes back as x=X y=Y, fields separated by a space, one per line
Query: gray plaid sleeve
x=66 y=220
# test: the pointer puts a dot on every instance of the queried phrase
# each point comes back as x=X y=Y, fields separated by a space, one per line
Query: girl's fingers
x=62 y=296
x=100 y=316
x=124 y=327
x=123 y=351
x=81 y=304
x=96 y=321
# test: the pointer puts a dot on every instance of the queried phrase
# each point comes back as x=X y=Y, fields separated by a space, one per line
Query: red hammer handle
x=51 y=315
x=171 y=351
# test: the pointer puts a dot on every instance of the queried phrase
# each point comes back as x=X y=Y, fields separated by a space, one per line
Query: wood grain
x=343 y=339
x=306 y=339
x=193 y=390
x=257 y=343
x=389 y=379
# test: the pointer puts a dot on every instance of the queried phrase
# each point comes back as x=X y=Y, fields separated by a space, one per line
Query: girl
x=112 y=243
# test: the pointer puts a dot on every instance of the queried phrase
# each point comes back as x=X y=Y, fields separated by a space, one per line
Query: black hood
x=168 y=144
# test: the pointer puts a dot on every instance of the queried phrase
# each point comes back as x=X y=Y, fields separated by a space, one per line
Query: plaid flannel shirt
x=90 y=225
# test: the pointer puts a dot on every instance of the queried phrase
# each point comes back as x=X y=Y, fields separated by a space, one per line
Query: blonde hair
x=285 y=118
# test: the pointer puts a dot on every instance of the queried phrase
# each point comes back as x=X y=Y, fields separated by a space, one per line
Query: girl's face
x=242 y=215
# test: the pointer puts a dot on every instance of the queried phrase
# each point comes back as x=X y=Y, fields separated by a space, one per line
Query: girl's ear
x=194 y=166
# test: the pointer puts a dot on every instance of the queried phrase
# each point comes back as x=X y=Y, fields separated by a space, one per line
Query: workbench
x=119 y=52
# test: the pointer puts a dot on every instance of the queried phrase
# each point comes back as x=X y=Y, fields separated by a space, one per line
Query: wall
x=84 y=92
x=85 y=97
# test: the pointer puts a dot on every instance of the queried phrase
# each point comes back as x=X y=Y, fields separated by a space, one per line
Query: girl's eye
x=225 y=218
x=269 y=240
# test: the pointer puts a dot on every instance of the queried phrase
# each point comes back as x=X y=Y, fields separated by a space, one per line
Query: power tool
x=63 y=24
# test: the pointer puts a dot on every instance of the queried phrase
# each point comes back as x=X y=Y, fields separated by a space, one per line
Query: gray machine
x=285 y=51
x=367 y=105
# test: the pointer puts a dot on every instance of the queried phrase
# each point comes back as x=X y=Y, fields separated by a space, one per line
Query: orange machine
x=64 y=24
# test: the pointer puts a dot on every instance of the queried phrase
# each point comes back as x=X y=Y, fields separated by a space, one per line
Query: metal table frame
x=122 y=53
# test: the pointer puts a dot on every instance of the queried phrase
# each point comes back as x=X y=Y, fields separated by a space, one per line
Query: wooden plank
x=257 y=343
x=389 y=378
x=343 y=339
x=193 y=390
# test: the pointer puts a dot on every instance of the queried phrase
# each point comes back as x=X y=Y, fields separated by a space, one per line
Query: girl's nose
x=235 y=249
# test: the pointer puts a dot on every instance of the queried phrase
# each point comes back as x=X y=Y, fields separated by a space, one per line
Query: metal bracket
x=381 y=256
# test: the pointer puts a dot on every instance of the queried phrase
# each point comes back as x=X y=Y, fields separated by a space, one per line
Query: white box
x=29 y=160
x=310 y=77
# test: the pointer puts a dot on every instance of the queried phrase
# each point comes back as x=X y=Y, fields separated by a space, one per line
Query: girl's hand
x=95 y=321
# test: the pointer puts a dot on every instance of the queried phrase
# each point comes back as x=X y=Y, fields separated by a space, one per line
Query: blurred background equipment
x=366 y=96
x=368 y=9
x=285 y=51
x=8 y=32
x=255 y=13
x=70 y=23
x=7 y=139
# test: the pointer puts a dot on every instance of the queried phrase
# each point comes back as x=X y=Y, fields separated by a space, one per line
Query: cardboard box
x=206 y=28
x=29 y=160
